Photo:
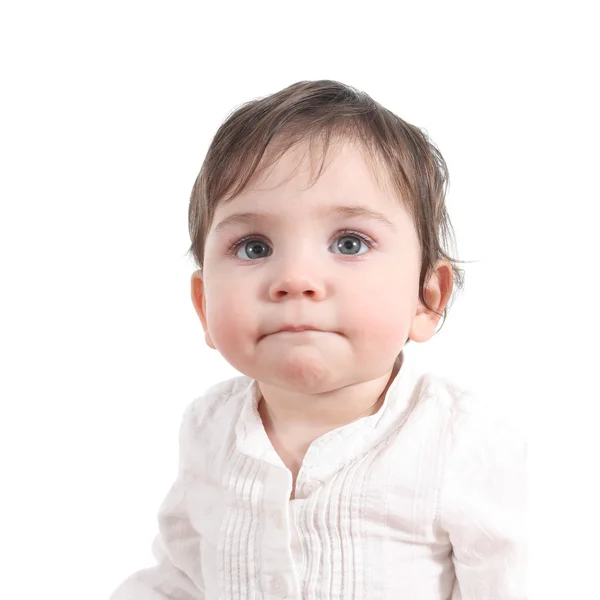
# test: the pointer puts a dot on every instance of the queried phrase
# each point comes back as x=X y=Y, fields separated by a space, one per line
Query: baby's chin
x=301 y=369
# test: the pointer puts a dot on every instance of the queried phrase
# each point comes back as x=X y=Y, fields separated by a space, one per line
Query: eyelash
x=235 y=245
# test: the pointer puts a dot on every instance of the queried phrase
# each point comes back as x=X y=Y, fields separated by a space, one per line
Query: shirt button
x=311 y=487
x=277 y=518
x=279 y=586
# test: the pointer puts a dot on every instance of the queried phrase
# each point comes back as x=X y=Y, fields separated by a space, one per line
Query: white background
x=107 y=111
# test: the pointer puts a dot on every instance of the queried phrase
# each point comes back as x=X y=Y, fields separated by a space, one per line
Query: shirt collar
x=333 y=449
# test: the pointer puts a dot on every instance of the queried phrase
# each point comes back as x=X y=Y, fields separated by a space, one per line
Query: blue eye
x=253 y=249
x=350 y=245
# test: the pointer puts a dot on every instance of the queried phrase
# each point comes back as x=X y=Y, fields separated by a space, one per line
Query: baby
x=332 y=468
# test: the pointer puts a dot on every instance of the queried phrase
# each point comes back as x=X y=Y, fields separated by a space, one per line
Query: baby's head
x=318 y=209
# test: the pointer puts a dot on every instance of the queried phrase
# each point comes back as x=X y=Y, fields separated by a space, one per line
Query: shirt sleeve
x=483 y=504
x=177 y=574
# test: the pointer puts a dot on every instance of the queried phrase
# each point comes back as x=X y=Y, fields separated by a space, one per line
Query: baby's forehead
x=344 y=191
x=337 y=167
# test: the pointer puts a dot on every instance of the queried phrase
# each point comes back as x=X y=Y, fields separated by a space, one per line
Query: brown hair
x=316 y=111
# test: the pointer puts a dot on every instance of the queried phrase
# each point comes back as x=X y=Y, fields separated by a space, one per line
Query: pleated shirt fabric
x=424 y=500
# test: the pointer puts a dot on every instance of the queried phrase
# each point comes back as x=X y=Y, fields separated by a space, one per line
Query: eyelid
x=236 y=243
x=363 y=236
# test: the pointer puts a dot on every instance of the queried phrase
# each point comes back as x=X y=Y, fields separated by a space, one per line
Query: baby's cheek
x=227 y=322
x=384 y=326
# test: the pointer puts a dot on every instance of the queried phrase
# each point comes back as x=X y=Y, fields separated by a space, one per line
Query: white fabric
x=295 y=543
x=425 y=500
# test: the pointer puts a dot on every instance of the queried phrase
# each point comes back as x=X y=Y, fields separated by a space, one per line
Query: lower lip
x=301 y=331
x=295 y=333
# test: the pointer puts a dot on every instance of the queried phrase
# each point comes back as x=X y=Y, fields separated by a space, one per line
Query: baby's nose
x=296 y=286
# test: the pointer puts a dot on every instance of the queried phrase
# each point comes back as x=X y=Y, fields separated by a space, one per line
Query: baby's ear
x=438 y=288
x=199 y=301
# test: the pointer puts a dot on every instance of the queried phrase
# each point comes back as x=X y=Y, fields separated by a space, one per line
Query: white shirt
x=424 y=500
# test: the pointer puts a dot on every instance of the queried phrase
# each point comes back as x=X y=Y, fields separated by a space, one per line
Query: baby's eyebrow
x=353 y=212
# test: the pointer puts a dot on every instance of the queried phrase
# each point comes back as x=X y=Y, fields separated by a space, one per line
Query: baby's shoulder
x=470 y=407
x=447 y=394
x=220 y=404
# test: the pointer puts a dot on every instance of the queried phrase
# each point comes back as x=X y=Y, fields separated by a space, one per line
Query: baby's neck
x=293 y=422
x=289 y=410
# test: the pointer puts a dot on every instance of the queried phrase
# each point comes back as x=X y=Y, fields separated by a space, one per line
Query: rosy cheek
x=384 y=320
x=227 y=320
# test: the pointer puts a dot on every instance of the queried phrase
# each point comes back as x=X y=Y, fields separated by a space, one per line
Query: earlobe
x=437 y=292
x=199 y=302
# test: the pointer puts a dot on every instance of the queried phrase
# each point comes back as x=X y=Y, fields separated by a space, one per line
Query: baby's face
x=340 y=259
